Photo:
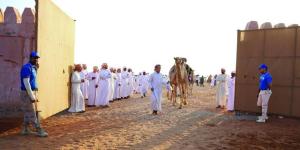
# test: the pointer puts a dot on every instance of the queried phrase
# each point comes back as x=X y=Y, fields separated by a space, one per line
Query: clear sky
x=142 y=33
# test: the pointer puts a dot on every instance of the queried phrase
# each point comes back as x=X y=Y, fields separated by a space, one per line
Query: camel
x=190 y=74
x=179 y=79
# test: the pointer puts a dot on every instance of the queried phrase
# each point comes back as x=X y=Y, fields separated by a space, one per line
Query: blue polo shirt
x=28 y=71
x=264 y=81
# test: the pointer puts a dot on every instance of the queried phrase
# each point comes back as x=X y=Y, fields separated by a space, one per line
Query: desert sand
x=129 y=124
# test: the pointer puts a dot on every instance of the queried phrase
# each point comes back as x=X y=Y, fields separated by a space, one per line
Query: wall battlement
x=17 y=40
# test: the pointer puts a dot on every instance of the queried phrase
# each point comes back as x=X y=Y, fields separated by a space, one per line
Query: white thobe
x=103 y=88
x=118 y=82
x=130 y=84
x=124 y=85
x=85 y=85
x=212 y=83
x=143 y=84
x=135 y=84
x=112 y=86
x=222 y=89
x=92 y=87
x=156 y=82
x=138 y=85
x=231 y=89
x=77 y=100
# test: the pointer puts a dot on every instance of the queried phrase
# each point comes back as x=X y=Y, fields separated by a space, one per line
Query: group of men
x=102 y=86
x=226 y=91
x=199 y=80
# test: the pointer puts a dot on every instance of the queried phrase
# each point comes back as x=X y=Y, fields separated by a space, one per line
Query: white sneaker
x=261 y=120
x=260 y=117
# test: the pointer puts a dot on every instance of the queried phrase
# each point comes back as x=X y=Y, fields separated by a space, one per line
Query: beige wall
x=56 y=48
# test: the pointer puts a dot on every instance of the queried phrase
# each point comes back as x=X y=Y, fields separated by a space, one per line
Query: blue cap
x=263 y=66
x=34 y=54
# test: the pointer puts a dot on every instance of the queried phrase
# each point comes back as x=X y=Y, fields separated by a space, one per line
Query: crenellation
x=12 y=16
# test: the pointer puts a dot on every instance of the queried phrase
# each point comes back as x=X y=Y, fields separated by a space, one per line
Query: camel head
x=183 y=60
x=178 y=60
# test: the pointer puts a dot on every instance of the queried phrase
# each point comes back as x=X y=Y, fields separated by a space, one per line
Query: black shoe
x=154 y=112
x=218 y=106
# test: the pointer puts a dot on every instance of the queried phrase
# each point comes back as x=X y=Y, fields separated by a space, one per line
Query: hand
x=93 y=78
x=152 y=89
x=96 y=86
x=82 y=80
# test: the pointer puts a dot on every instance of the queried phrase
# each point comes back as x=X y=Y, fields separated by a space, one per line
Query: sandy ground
x=128 y=124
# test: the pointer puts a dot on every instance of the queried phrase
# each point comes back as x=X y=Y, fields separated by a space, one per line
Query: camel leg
x=181 y=96
x=173 y=95
x=185 y=88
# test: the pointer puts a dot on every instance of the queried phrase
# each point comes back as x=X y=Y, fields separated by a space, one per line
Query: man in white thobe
x=93 y=80
x=130 y=82
x=231 y=89
x=213 y=81
x=112 y=84
x=77 y=99
x=103 y=87
x=118 y=82
x=222 y=89
x=138 y=88
x=143 y=85
x=156 y=83
x=135 y=84
x=124 y=85
x=85 y=85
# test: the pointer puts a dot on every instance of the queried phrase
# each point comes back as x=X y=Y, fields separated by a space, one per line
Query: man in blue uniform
x=29 y=88
x=265 y=85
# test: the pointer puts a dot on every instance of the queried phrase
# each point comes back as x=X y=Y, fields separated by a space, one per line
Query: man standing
x=222 y=89
x=124 y=85
x=156 y=82
x=28 y=95
x=103 y=87
x=112 y=85
x=143 y=84
x=93 y=80
x=213 y=82
x=202 y=81
x=130 y=82
x=117 y=94
x=197 y=80
x=231 y=89
x=85 y=85
x=265 y=85
x=77 y=99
